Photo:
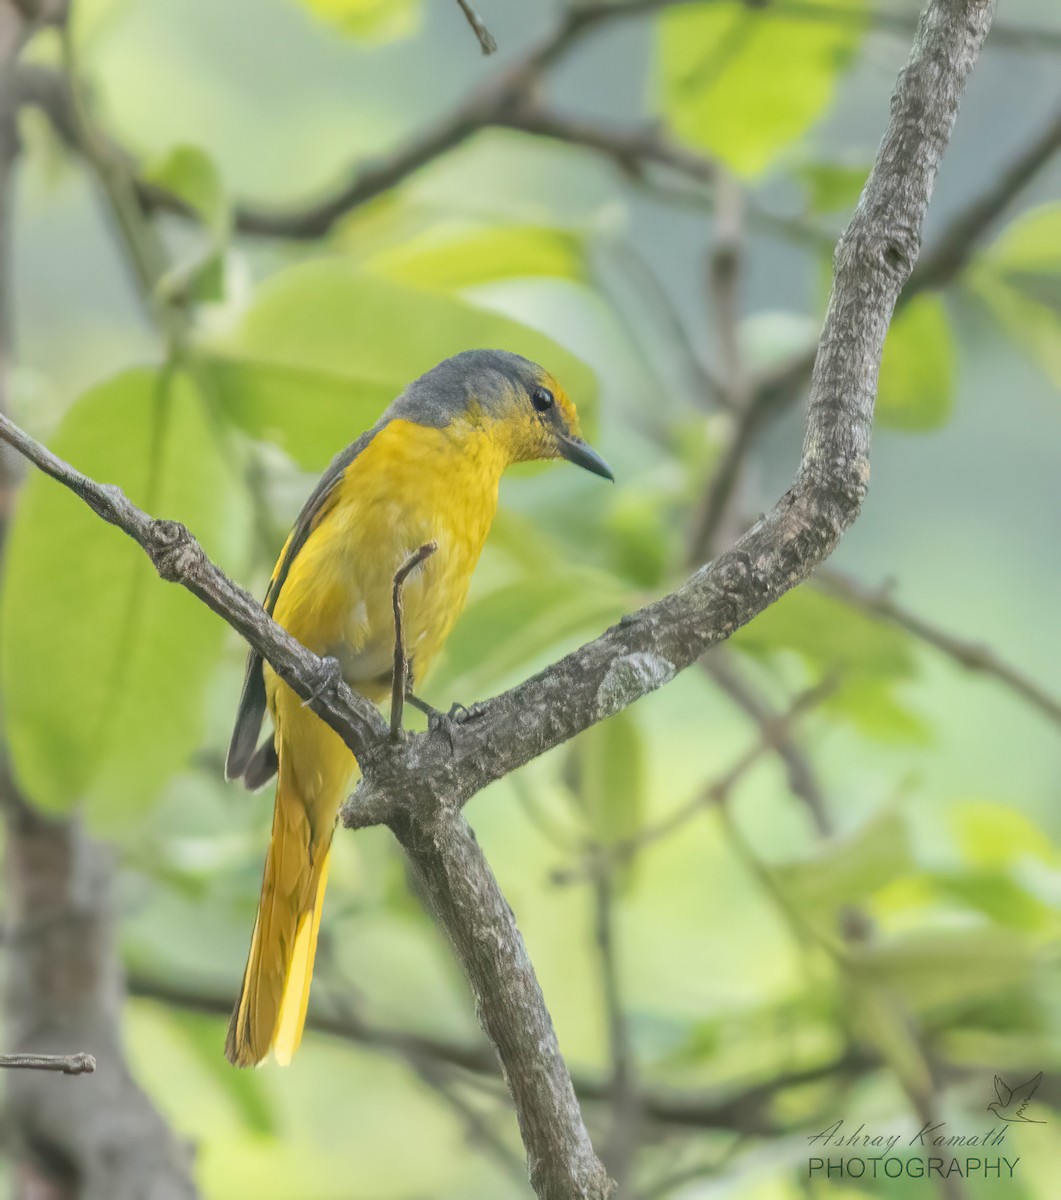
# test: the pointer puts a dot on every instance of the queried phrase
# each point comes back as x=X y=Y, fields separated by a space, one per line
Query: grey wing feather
x=262 y=766
x=243 y=761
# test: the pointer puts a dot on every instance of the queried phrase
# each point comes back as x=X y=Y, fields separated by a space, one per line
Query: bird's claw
x=461 y=714
x=331 y=674
x=443 y=722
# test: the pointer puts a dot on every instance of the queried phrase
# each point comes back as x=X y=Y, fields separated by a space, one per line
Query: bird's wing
x=251 y=710
x=1003 y=1093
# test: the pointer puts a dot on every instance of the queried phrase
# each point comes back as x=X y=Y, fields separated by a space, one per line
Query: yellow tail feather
x=271 y=1009
x=295 y=1000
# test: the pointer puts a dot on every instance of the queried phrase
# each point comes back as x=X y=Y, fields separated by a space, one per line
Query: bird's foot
x=331 y=673
x=461 y=714
x=444 y=722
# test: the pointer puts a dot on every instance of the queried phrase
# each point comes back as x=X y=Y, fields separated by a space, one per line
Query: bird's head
x=517 y=404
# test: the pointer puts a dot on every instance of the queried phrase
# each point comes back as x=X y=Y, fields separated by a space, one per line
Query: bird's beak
x=576 y=451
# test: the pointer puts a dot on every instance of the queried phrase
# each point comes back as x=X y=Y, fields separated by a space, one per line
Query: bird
x=427 y=471
x=1012 y=1102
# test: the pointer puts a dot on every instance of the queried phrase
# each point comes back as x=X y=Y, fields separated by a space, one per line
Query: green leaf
x=998 y=835
x=189 y=173
x=605 y=770
x=831 y=186
x=204 y=1037
x=309 y=414
x=829 y=633
x=744 y=83
x=376 y=20
x=868 y=658
x=916 y=386
x=504 y=631
x=327 y=316
x=934 y=968
x=643 y=537
x=996 y=895
x=104 y=666
x=873 y=705
x=846 y=869
x=1032 y=243
x=1019 y=279
x=450 y=255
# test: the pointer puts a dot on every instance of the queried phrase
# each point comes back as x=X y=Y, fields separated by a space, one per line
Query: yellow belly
x=410 y=485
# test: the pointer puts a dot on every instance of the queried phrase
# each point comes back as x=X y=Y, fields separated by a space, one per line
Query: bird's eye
x=542 y=399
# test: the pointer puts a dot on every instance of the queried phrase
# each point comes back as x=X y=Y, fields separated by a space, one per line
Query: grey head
x=487 y=377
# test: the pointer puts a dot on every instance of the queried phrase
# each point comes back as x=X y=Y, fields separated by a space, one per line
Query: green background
x=119 y=690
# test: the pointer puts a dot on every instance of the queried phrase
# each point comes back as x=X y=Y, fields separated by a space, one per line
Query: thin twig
x=782 y=385
x=623 y=1138
x=715 y=793
x=478 y=1128
x=487 y=43
x=400 y=682
x=741 y=1108
x=179 y=558
x=954 y=248
x=69 y=1064
x=724 y=283
x=721 y=666
x=650 y=291
x=973 y=656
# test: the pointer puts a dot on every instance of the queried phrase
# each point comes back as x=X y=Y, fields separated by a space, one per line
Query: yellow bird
x=428 y=470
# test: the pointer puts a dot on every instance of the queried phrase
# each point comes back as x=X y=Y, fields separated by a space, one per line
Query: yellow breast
x=412 y=484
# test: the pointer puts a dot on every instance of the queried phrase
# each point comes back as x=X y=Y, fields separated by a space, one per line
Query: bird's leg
x=440 y=721
x=401 y=685
x=435 y=716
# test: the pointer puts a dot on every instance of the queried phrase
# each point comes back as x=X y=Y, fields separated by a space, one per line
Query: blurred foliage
x=118 y=689
x=916 y=385
x=105 y=671
x=1019 y=278
x=379 y=20
x=744 y=83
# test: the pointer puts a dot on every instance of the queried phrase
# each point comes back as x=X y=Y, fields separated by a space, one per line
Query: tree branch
x=179 y=558
x=774 y=731
x=463 y=896
x=781 y=387
x=954 y=248
x=100 y=1138
x=69 y=1064
x=974 y=656
x=502 y=102
x=627 y=1114
x=744 y=1109
x=486 y=39
x=777 y=731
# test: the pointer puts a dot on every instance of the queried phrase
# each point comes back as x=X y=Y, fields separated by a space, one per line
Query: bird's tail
x=271 y=1010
